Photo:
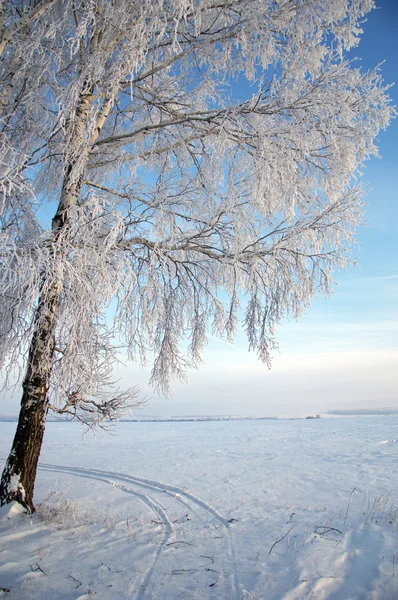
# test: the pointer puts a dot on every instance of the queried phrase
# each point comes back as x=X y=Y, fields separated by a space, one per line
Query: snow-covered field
x=220 y=510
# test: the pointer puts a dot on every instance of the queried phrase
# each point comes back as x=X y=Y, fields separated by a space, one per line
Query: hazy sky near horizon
x=344 y=352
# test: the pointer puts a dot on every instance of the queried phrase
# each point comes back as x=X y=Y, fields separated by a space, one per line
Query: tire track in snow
x=181 y=496
x=171 y=490
x=152 y=504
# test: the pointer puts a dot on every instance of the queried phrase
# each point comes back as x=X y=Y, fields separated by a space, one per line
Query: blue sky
x=344 y=352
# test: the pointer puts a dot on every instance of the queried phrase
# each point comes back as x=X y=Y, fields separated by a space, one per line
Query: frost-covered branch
x=7 y=33
x=102 y=411
x=182 y=198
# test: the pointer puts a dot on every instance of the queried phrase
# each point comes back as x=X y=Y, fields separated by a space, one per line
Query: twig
x=318 y=530
x=212 y=570
x=38 y=568
x=112 y=570
x=181 y=571
x=348 y=505
x=187 y=518
x=280 y=539
x=208 y=557
x=74 y=579
x=178 y=542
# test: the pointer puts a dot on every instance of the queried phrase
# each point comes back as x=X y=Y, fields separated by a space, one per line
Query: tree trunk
x=19 y=473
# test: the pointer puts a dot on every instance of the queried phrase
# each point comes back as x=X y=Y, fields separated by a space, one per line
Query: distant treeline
x=364 y=411
x=13 y=418
x=192 y=419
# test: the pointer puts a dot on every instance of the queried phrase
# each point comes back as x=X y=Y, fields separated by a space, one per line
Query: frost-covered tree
x=158 y=157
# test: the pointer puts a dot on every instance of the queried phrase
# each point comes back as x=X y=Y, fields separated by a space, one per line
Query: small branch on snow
x=74 y=579
x=178 y=542
x=38 y=568
x=280 y=539
x=208 y=557
x=182 y=571
x=110 y=568
x=322 y=529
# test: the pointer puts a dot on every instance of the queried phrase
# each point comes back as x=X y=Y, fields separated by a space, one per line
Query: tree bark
x=6 y=35
x=19 y=473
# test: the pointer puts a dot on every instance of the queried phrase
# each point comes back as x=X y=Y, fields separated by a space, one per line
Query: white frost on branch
x=171 y=193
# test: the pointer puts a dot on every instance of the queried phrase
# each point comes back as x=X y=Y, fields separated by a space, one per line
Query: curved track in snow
x=222 y=566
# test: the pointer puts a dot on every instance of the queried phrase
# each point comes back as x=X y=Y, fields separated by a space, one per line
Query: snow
x=221 y=510
x=15 y=485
